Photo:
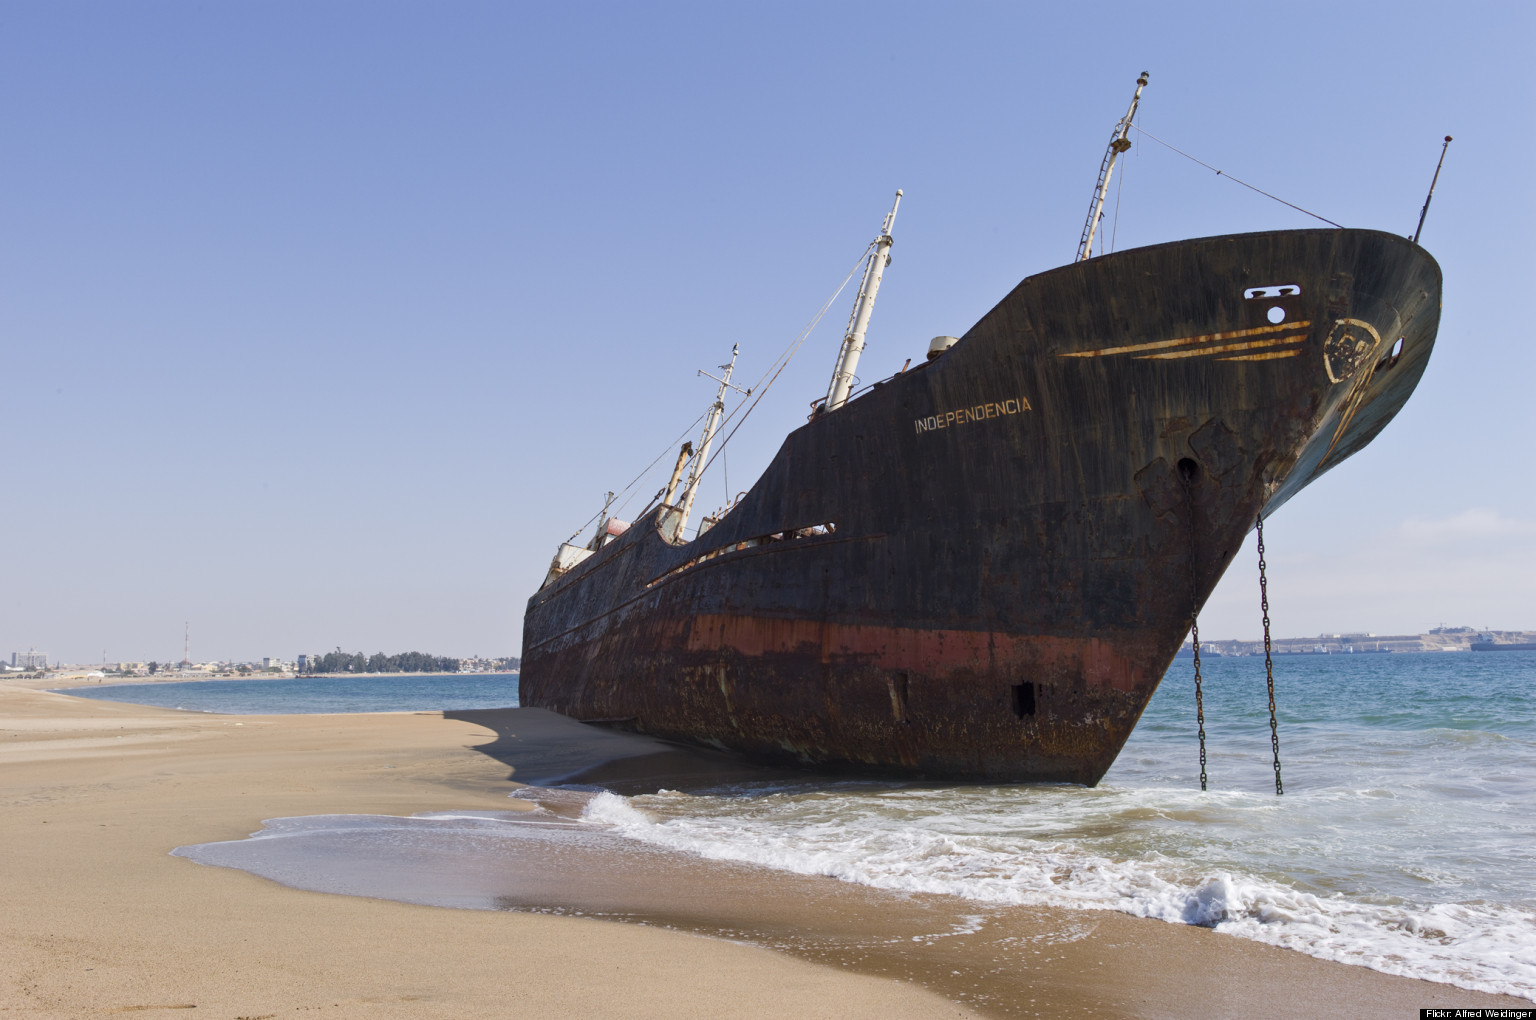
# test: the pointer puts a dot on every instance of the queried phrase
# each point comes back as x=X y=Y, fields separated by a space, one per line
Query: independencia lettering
x=966 y=415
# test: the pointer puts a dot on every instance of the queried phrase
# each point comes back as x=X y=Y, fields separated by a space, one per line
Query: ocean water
x=370 y=692
x=1404 y=840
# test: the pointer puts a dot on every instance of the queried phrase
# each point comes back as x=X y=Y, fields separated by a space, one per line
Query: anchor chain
x=1199 y=700
x=1194 y=629
x=1269 y=663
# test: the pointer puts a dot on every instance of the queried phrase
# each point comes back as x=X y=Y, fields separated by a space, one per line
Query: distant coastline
x=64 y=680
x=1441 y=639
x=413 y=672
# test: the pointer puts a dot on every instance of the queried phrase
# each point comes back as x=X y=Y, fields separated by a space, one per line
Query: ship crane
x=1118 y=143
x=711 y=423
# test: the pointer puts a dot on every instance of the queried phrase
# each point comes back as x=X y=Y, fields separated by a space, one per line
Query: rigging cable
x=1223 y=173
x=1114 y=230
x=760 y=387
x=652 y=465
x=637 y=478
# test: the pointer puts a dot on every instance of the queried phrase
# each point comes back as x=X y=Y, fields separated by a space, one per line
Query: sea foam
x=958 y=842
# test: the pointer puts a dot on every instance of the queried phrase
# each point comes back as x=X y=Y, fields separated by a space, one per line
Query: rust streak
x=1220 y=348
x=1182 y=341
x=1266 y=356
x=1352 y=403
x=934 y=651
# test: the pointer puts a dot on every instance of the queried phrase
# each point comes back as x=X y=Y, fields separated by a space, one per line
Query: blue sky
x=323 y=323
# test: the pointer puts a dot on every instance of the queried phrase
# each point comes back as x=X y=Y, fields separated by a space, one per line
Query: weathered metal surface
x=1008 y=573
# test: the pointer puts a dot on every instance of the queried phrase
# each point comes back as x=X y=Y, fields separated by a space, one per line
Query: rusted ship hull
x=1021 y=530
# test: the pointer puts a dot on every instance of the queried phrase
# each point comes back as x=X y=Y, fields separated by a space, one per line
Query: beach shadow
x=544 y=748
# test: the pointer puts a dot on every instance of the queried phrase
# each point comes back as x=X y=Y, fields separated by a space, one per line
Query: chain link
x=1269 y=663
x=1199 y=700
x=1194 y=628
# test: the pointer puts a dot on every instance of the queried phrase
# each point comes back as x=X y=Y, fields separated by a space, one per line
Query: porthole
x=1392 y=357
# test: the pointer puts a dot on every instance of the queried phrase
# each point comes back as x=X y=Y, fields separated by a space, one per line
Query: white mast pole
x=858 y=323
x=1118 y=144
x=711 y=423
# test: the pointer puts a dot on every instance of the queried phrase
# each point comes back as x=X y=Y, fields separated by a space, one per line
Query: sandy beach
x=100 y=918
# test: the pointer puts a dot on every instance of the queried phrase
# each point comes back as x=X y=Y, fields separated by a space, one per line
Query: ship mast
x=711 y=423
x=858 y=322
x=1118 y=143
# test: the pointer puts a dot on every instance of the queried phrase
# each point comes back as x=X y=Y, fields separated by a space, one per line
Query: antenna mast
x=710 y=425
x=1118 y=143
x=858 y=322
x=1425 y=211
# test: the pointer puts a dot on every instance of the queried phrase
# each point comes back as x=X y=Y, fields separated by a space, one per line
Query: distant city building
x=29 y=660
x=476 y=664
x=303 y=663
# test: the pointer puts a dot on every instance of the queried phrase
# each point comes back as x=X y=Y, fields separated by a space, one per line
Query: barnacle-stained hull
x=1021 y=530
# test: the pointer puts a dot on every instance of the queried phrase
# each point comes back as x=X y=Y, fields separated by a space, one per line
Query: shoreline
x=61 y=683
x=94 y=796
x=97 y=793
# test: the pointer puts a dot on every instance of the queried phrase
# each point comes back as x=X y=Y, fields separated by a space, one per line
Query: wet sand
x=100 y=918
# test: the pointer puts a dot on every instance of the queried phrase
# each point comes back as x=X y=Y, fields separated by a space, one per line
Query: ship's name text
x=966 y=415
